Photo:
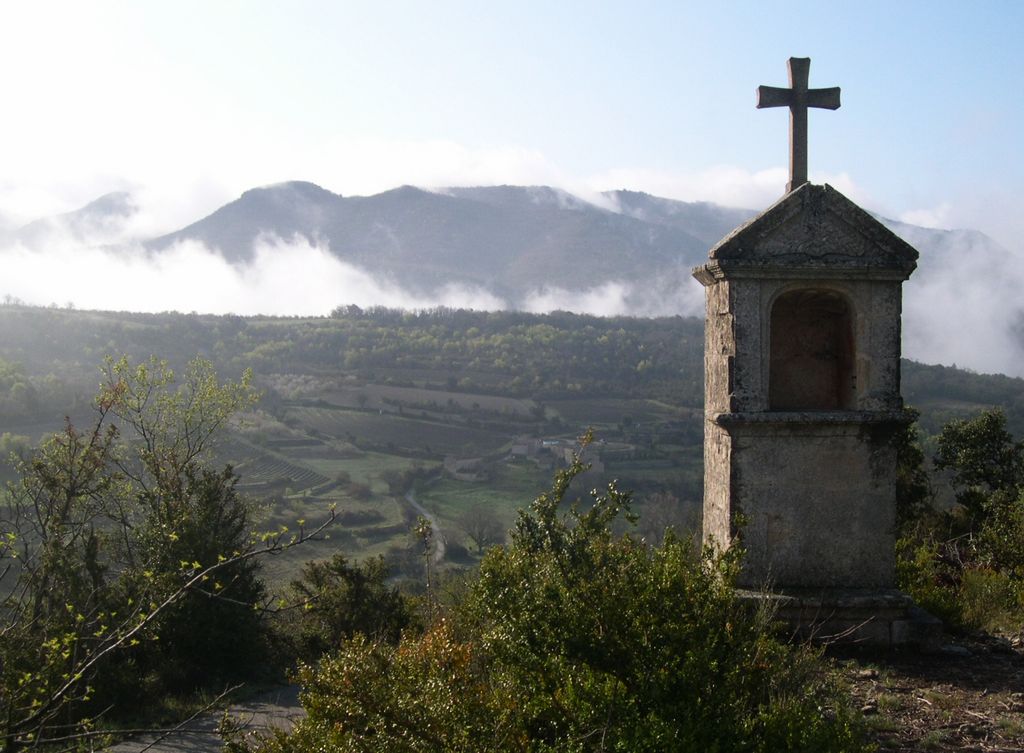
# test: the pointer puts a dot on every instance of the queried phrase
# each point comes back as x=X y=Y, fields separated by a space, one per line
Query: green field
x=594 y=411
x=395 y=431
x=369 y=468
x=430 y=399
x=370 y=447
x=513 y=486
x=384 y=526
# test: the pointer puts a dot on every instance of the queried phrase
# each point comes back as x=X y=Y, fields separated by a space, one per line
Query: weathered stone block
x=818 y=500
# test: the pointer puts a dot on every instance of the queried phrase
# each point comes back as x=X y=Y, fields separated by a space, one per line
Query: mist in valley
x=962 y=306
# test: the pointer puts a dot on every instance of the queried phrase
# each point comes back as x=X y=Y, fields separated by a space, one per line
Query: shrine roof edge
x=816 y=225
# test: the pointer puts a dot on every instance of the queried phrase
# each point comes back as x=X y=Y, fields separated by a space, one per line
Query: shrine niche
x=812 y=362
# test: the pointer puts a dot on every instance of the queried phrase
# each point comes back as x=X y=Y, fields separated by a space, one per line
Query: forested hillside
x=560 y=355
x=52 y=354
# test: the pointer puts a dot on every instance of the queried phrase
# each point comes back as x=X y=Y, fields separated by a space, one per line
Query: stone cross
x=798 y=98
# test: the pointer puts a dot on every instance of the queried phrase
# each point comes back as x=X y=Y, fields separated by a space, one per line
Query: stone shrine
x=802 y=399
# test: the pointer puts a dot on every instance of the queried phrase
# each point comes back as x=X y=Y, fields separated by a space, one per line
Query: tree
x=987 y=464
x=482 y=527
x=914 y=494
x=573 y=639
x=663 y=511
x=338 y=600
x=967 y=564
x=984 y=459
x=116 y=536
x=215 y=633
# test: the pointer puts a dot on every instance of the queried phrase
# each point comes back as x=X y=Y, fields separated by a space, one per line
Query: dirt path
x=439 y=542
x=969 y=697
x=277 y=708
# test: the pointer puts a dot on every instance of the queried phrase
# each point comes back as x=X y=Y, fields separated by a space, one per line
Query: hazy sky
x=189 y=103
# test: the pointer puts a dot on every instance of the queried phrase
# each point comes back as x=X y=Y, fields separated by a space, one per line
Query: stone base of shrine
x=875 y=618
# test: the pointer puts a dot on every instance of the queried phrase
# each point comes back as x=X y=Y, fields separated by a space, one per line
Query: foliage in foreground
x=127 y=568
x=333 y=600
x=966 y=565
x=573 y=639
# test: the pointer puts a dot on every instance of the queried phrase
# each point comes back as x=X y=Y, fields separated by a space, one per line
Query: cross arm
x=773 y=96
x=827 y=99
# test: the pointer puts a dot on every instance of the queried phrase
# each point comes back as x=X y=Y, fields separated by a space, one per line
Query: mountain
x=510 y=240
x=284 y=210
x=704 y=220
x=963 y=304
x=99 y=221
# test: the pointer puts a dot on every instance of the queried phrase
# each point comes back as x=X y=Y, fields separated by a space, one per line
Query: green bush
x=129 y=564
x=215 y=633
x=921 y=572
x=965 y=598
x=991 y=600
x=966 y=565
x=336 y=600
x=573 y=639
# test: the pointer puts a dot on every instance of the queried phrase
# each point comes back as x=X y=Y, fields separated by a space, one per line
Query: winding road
x=278 y=708
x=439 y=542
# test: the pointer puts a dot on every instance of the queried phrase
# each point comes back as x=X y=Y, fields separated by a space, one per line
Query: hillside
x=537 y=356
x=99 y=221
x=360 y=406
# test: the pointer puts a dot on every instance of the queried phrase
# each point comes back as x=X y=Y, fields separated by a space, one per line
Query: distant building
x=464 y=469
x=525 y=447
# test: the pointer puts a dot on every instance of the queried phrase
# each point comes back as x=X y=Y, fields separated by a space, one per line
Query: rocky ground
x=968 y=697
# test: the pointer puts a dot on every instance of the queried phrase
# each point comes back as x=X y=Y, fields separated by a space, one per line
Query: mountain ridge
x=98 y=220
x=510 y=239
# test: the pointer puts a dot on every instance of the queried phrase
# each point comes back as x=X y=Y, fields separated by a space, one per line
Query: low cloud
x=1000 y=214
x=671 y=294
x=962 y=306
x=294 y=278
x=727 y=185
x=933 y=217
x=723 y=184
x=605 y=300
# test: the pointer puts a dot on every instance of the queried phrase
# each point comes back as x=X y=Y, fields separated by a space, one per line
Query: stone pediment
x=813 y=227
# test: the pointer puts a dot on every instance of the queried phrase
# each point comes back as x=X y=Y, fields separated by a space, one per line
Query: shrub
x=991 y=600
x=129 y=562
x=215 y=633
x=966 y=565
x=573 y=639
x=339 y=600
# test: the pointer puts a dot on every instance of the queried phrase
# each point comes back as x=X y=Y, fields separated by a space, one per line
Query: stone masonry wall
x=820 y=504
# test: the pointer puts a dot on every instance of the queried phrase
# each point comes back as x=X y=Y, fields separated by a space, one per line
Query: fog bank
x=962 y=306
